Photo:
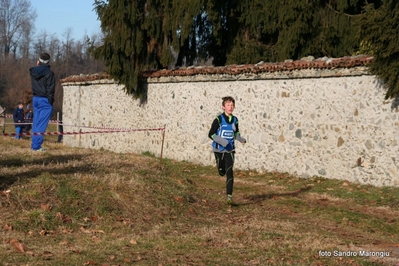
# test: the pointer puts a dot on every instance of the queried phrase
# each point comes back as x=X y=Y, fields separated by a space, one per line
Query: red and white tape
x=102 y=129
x=106 y=128
x=50 y=121
x=83 y=132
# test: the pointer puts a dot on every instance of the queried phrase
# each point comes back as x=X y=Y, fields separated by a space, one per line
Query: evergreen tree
x=380 y=33
x=144 y=35
x=291 y=29
x=127 y=48
x=187 y=26
x=154 y=34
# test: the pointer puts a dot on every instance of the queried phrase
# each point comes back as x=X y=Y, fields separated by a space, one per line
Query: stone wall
x=333 y=123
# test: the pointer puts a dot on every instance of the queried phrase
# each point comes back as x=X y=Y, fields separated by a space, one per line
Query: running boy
x=223 y=132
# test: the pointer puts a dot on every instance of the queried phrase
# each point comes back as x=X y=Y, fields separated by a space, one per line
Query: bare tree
x=67 y=48
x=16 y=20
x=48 y=43
x=68 y=57
x=24 y=45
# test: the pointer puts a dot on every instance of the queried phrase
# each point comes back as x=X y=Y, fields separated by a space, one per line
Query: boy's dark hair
x=228 y=99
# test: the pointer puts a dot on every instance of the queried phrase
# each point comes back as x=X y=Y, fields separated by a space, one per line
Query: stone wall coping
x=307 y=67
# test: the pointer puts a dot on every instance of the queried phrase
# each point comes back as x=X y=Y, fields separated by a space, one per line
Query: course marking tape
x=116 y=129
x=78 y=133
x=50 y=121
x=104 y=128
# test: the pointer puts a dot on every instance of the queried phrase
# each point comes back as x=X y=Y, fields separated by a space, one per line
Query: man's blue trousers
x=42 y=110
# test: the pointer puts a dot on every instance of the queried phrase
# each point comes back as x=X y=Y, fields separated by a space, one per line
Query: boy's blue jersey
x=226 y=131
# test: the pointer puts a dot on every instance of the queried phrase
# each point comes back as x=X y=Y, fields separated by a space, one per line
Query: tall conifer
x=154 y=34
x=380 y=33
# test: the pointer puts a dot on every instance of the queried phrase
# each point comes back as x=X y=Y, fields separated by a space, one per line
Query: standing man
x=43 y=88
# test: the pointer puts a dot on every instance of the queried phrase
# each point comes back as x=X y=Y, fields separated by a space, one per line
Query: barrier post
x=60 y=128
x=3 y=120
x=163 y=140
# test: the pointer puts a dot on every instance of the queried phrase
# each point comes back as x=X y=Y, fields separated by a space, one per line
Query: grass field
x=70 y=206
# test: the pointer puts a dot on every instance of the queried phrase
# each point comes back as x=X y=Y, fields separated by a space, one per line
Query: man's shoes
x=41 y=149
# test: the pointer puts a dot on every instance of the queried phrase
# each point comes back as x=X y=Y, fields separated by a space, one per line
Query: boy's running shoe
x=230 y=200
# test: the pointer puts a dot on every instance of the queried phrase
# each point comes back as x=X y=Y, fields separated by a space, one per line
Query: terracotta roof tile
x=261 y=67
x=86 y=78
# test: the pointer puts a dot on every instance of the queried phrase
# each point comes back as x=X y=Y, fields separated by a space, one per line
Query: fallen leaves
x=96 y=239
x=87 y=231
x=125 y=221
x=90 y=262
x=179 y=199
x=63 y=218
x=47 y=232
x=8 y=227
x=46 y=207
x=18 y=246
x=150 y=225
x=6 y=193
x=92 y=218
x=47 y=254
x=22 y=248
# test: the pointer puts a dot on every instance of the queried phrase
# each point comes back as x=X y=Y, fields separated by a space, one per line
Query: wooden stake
x=163 y=140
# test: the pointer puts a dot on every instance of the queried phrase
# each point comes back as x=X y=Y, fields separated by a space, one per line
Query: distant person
x=18 y=116
x=224 y=130
x=43 y=89
x=28 y=116
x=28 y=111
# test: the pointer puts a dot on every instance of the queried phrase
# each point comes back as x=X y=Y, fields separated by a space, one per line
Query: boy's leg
x=220 y=163
x=229 y=163
x=18 y=131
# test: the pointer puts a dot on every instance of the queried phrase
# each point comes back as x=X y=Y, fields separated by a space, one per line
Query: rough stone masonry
x=329 y=122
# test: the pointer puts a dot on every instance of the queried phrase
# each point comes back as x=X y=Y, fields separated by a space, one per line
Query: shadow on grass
x=261 y=197
x=14 y=162
x=7 y=180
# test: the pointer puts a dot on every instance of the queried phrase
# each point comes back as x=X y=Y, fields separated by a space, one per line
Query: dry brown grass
x=70 y=206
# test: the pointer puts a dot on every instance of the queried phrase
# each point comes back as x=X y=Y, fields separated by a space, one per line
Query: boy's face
x=228 y=107
x=21 y=106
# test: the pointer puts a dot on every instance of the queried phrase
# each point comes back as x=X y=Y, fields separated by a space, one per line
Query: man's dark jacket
x=43 y=81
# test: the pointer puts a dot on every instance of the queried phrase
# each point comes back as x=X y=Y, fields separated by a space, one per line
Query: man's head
x=44 y=58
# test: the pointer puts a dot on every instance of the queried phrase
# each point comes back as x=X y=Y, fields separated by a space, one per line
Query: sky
x=56 y=16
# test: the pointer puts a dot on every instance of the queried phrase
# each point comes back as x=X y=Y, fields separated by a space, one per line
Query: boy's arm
x=240 y=139
x=237 y=135
x=214 y=128
x=212 y=134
